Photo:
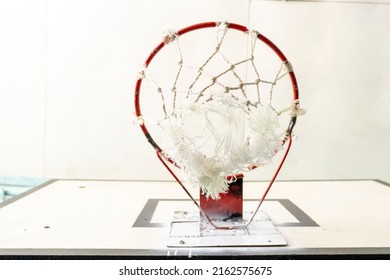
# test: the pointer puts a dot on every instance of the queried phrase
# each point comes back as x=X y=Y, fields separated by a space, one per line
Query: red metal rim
x=198 y=26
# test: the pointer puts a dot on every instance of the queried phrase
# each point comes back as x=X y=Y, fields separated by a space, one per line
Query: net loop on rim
x=170 y=35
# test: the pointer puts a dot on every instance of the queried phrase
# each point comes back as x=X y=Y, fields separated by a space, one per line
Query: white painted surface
x=100 y=215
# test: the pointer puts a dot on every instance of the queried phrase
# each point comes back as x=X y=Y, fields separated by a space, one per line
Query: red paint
x=228 y=207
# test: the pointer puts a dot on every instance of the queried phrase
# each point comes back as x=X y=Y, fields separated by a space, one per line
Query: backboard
x=132 y=219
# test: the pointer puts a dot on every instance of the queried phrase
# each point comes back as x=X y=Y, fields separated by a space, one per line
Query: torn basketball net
x=219 y=115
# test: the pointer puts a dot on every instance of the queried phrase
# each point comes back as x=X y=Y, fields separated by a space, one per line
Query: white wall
x=22 y=86
x=340 y=53
x=68 y=68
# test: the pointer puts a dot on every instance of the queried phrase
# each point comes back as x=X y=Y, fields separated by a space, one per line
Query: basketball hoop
x=218 y=94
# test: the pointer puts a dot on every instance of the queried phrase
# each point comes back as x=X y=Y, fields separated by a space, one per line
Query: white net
x=218 y=114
